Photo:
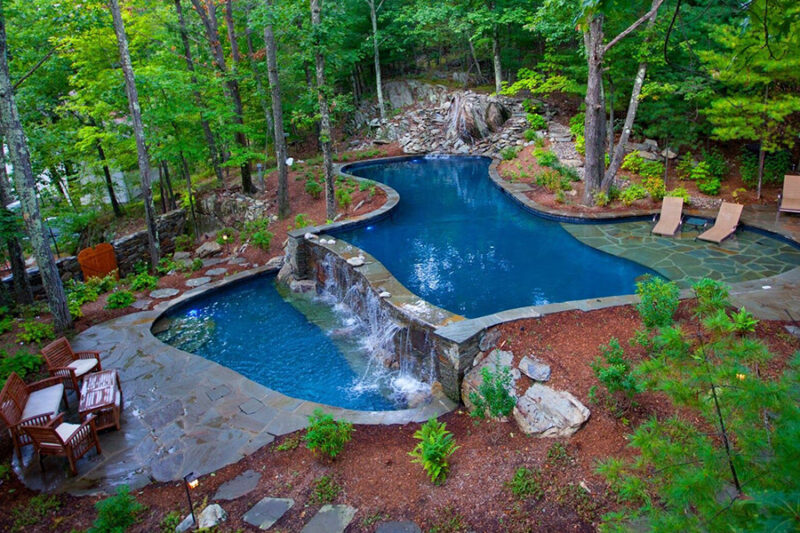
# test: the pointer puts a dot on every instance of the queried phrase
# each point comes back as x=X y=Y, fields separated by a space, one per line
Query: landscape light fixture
x=190 y=482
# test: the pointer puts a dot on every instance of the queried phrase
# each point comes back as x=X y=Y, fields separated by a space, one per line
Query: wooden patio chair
x=67 y=440
x=669 y=221
x=70 y=365
x=789 y=199
x=725 y=225
x=23 y=404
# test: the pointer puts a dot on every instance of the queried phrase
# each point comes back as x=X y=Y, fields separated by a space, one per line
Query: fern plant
x=435 y=447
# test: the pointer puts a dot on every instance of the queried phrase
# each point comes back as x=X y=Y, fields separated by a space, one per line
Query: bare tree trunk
x=325 y=118
x=208 y=15
x=153 y=244
x=209 y=135
x=262 y=95
x=162 y=191
x=610 y=125
x=109 y=183
x=26 y=190
x=475 y=59
x=498 y=68
x=277 y=115
x=22 y=286
x=373 y=16
x=171 y=203
x=188 y=177
x=594 y=125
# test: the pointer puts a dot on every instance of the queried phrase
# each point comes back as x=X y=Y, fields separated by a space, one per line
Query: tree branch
x=34 y=68
x=630 y=29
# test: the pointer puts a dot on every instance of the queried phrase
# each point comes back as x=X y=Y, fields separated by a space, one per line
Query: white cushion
x=82 y=366
x=66 y=430
x=43 y=401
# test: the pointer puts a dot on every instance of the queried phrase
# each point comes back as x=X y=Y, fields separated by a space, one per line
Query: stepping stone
x=265 y=513
x=330 y=519
x=398 y=527
x=236 y=260
x=142 y=303
x=177 y=256
x=164 y=293
x=212 y=262
x=242 y=484
x=216 y=271
x=196 y=282
x=794 y=330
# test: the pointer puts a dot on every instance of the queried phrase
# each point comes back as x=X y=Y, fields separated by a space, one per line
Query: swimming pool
x=458 y=242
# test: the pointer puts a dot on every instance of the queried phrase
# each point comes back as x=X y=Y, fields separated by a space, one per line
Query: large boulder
x=209 y=248
x=545 y=412
x=473 y=379
x=496 y=115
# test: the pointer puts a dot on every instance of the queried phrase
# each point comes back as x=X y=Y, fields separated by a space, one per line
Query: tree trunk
x=162 y=190
x=373 y=15
x=153 y=244
x=325 y=119
x=475 y=59
x=188 y=177
x=277 y=119
x=610 y=125
x=498 y=69
x=109 y=184
x=761 y=154
x=630 y=117
x=262 y=95
x=171 y=203
x=208 y=15
x=22 y=286
x=209 y=135
x=26 y=190
x=595 y=123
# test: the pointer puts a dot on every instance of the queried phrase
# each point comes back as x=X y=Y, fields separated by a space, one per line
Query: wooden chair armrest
x=87 y=354
x=86 y=429
x=42 y=420
x=47 y=382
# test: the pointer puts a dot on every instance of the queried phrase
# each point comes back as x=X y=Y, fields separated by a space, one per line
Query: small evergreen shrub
x=495 y=393
x=526 y=484
x=35 y=332
x=120 y=299
x=712 y=296
x=536 y=121
x=530 y=135
x=302 y=220
x=6 y=324
x=710 y=187
x=313 y=188
x=144 y=282
x=432 y=452
x=552 y=180
x=325 y=435
x=508 y=153
x=614 y=372
x=257 y=233
x=116 y=513
x=226 y=235
x=545 y=158
x=166 y=265
x=343 y=198
x=631 y=193
x=659 y=301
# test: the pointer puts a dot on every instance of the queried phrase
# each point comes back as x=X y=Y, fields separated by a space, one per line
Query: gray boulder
x=534 y=368
x=207 y=249
x=546 y=412
x=211 y=516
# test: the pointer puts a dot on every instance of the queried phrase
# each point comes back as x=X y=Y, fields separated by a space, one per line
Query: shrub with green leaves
x=631 y=193
x=545 y=158
x=34 y=331
x=343 y=198
x=302 y=220
x=614 y=372
x=576 y=124
x=632 y=162
x=226 y=235
x=685 y=165
x=117 y=513
x=257 y=233
x=652 y=170
x=325 y=491
x=679 y=192
x=580 y=144
x=166 y=265
x=6 y=324
x=313 y=188
x=536 y=121
x=144 y=282
x=184 y=243
x=494 y=394
x=710 y=187
x=508 y=153
x=434 y=449
x=601 y=199
x=712 y=296
x=530 y=135
x=659 y=300
x=34 y=512
x=326 y=436
x=23 y=363
x=715 y=163
x=120 y=299
x=655 y=188
x=776 y=166
x=81 y=292
x=526 y=483
x=552 y=180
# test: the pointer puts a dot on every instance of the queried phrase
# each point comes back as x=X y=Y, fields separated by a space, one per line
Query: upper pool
x=460 y=243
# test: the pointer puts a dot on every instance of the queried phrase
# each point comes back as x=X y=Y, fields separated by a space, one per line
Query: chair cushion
x=82 y=366
x=43 y=401
x=66 y=430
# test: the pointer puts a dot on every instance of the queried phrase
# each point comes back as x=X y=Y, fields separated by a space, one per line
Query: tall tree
x=22 y=286
x=324 y=112
x=26 y=189
x=373 y=17
x=153 y=245
x=208 y=15
x=277 y=115
x=251 y=54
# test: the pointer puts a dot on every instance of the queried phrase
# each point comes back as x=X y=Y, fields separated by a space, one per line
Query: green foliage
x=509 y=153
x=225 y=236
x=530 y=135
x=104 y=284
x=557 y=455
x=614 y=372
x=536 y=121
x=655 y=188
x=552 y=180
x=685 y=166
x=166 y=265
x=633 y=162
x=651 y=170
x=80 y=292
x=313 y=188
x=743 y=321
x=325 y=491
x=545 y=158
x=116 y=513
x=775 y=167
x=34 y=331
x=326 y=436
x=715 y=163
x=343 y=198
x=576 y=124
x=580 y=144
x=631 y=193
x=75 y=310
x=6 y=324
x=526 y=484
x=601 y=199
x=257 y=233
x=434 y=449
x=144 y=282
x=34 y=513
x=184 y=243
x=530 y=106
x=658 y=301
x=710 y=187
x=679 y=192
x=170 y=521
x=495 y=393
x=290 y=443
x=712 y=296
x=23 y=363
x=120 y=299
x=302 y=220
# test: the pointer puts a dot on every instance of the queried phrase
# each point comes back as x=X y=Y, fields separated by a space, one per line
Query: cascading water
x=390 y=363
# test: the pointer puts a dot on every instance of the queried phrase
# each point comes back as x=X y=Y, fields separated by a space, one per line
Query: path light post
x=190 y=482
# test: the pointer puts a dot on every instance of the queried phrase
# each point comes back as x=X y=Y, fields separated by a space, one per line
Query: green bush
x=552 y=180
x=226 y=235
x=313 y=188
x=495 y=393
x=120 y=299
x=710 y=187
x=23 y=363
x=658 y=301
x=545 y=158
x=614 y=372
x=526 y=484
x=81 y=292
x=601 y=199
x=75 y=310
x=712 y=296
x=685 y=166
x=716 y=163
x=326 y=436
x=34 y=331
x=166 y=265
x=116 y=513
x=144 y=282
x=184 y=243
x=257 y=233
x=576 y=124
x=302 y=220
x=776 y=166
x=508 y=153
x=655 y=188
x=434 y=449
x=343 y=198
x=6 y=324
x=580 y=144
x=34 y=512
x=104 y=284
x=530 y=135
x=632 y=163
x=679 y=192
x=537 y=121
x=631 y=193
x=652 y=170
x=325 y=491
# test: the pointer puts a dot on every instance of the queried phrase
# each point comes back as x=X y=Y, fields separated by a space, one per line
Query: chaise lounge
x=669 y=221
x=789 y=200
x=725 y=225
x=24 y=404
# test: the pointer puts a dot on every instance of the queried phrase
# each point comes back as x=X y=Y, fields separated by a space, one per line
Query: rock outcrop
x=545 y=412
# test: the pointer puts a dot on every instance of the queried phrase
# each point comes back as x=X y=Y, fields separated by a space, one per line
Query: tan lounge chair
x=670 y=218
x=789 y=200
x=725 y=225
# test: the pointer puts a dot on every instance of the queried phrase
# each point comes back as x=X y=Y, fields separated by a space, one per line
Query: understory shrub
x=35 y=332
x=434 y=449
x=553 y=181
x=580 y=144
x=631 y=193
x=632 y=162
x=495 y=393
x=302 y=220
x=536 y=121
x=256 y=232
x=655 y=188
x=325 y=435
x=776 y=165
x=226 y=235
x=679 y=192
x=601 y=199
x=712 y=296
x=343 y=198
x=614 y=372
x=545 y=158
x=658 y=301
x=508 y=153
x=23 y=363
x=652 y=170
x=120 y=299
x=144 y=282
x=716 y=163
x=313 y=187
x=166 y=265
x=576 y=124
x=183 y=243
x=530 y=135
x=116 y=513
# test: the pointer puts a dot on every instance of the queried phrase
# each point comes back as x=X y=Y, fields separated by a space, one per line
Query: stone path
x=196 y=282
x=267 y=511
x=330 y=519
x=216 y=271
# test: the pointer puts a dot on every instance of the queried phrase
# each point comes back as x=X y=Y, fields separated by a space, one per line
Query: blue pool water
x=252 y=329
x=458 y=242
